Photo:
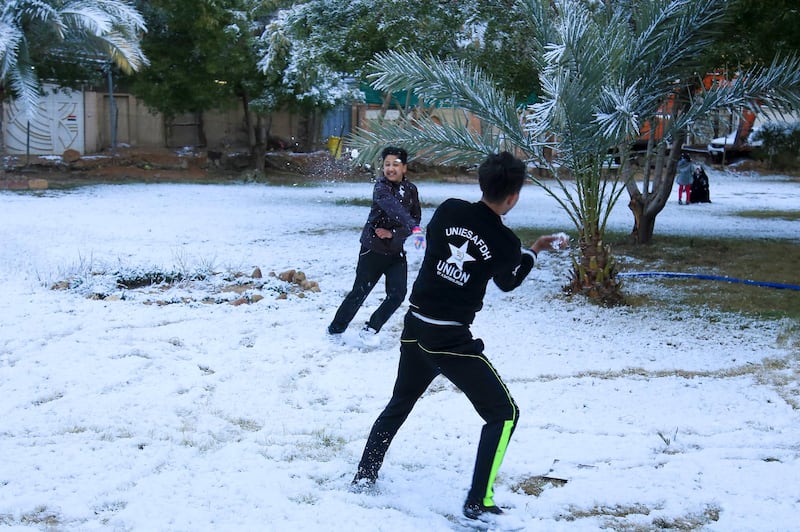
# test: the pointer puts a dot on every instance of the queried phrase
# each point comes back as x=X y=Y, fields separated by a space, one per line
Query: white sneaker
x=369 y=336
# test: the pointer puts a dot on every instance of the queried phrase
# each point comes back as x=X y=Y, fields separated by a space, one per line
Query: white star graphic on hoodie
x=459 y=256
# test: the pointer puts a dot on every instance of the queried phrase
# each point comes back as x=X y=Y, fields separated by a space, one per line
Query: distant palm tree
x=605 y=69
x=32 y=31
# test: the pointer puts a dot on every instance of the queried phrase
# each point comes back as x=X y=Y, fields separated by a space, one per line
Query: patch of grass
x=41 y=516
x=771 y=261
x=328 y=440
x=618 y=510
x=760 y=260
x=139 y=279
x=632 y=518
x=354 y=202
x=247 y=424
x=767 y=214
x=367 y=202
x=536 y=485
x=305 y=499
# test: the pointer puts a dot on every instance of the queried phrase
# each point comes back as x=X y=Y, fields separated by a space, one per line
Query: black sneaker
x=362 y=484
x=369 y=336
x=476 y=510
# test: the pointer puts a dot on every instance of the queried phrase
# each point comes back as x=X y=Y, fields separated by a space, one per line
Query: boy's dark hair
x=400 y=153
x=500 y=176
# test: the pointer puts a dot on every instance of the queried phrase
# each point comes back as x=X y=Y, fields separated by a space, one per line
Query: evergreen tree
x=201 y=57
x=316 y=50
x=314 y=53
x=755 y=32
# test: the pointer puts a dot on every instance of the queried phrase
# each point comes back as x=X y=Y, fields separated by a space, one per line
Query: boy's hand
x=380 y=232
x=550 y=242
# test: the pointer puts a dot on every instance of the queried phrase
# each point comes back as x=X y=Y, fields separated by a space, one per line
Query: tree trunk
x=2 y=138
x=256 y=150
x=166 y=124
x=647 y=204
x=201 y=130
x=260 y=145
x=387 y=99
x=248 y=121
x=594 y=272
x=308 y=131
x=644 y=222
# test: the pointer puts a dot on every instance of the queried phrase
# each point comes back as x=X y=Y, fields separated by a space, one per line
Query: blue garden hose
x=710 y=278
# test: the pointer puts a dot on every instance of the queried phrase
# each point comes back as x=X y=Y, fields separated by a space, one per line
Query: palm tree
x=35 y=31
x=605 y=69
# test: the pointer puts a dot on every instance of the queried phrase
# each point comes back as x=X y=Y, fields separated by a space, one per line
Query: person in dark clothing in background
x=467 y=245
x=394 y=216
x=700 y=193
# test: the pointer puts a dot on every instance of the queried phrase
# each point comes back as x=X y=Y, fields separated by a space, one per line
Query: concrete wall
x=138 y=126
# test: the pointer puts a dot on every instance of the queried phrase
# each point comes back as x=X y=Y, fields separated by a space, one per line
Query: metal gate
x=58 y=125
x=337 y=122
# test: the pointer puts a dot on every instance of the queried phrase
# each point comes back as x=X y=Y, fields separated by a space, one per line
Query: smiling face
x=393 y=168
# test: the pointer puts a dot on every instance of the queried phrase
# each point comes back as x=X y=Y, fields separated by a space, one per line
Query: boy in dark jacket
x=393 y=217
x=467 y=245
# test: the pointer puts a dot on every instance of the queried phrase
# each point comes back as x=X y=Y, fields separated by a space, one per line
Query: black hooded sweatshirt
x=467 y=244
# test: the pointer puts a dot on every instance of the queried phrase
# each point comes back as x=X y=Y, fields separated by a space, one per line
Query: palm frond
x=25 y=86
x=426 y=140
x=128 y=56
x=107 y=28
x=671 y=37
x=10 y=39
x=86 y=18
x=123 y=14
x=33 y=10
x=537 y=15
x=621 y=121
x=776 y=86
x=454 y=83
x=111 y=27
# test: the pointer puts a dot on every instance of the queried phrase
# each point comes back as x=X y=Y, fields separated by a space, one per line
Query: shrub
x=780 y=143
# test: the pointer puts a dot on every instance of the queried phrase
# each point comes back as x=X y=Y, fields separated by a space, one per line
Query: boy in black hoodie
x=393 y=217
x=467 y=245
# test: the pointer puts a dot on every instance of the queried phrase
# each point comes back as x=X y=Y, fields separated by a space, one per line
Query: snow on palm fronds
x=775 y=86
x=454 y=84
x=107 y=27
x=622 y=121
x=432 y=142
x=605 y=69
x=11 y=37
x=101 y=28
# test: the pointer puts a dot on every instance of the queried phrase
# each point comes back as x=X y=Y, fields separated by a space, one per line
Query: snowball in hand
x=560 y=241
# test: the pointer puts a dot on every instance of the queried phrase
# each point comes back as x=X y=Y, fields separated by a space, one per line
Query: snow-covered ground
x=124 y=414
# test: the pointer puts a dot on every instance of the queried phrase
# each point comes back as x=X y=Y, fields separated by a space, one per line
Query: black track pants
x=427 y=350
x=369 y=269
